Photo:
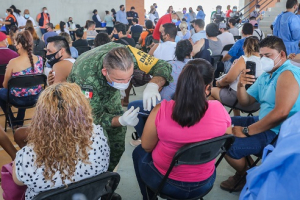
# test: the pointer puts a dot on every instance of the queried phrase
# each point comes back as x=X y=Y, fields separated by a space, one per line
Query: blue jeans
x=142 y=118
x=18 y=101
x=253 y=145
x=148 y=175
x=43 y=31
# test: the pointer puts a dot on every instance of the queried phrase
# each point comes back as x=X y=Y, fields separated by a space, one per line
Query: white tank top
x=259 y=70
x=72 y=60
x=165 y=51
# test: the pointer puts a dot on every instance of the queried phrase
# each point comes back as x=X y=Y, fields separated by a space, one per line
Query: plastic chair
x=91 y=43
x=136 y=36
x=195 y=154
x=92 y=188
x=227 y=47
x=3 y=69
x=83 y=49
x=24 y=81
x=216 y=59
x=237 y=37
x=237 y=106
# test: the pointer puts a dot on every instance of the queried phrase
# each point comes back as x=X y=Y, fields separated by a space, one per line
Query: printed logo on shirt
x=144 y=60
x=87 y=90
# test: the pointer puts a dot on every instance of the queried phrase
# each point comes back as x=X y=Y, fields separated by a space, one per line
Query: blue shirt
x=287 y=27
x=264 y=91
x=168 y=91
x=201 y=15
x=121 y=17
x=74 y=52
x=198 y=36
x=236 y=50
x=49 y=34
x=136 y=29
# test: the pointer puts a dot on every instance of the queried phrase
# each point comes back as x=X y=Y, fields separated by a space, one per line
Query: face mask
x=155 y=6
x=118 y=86
x=45 y=11
x=26 y=16
x=184 y=11
x=190 y=11
x=256 y=9
x=268 y=63
x=218 y=10
x=51 y=58
x=234 y=10
x=71 y=21
x=174 y=21
x=116 y=36
x=162 y=37
x=6 y=14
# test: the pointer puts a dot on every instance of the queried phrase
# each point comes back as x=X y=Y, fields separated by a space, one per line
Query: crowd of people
x=190 y=71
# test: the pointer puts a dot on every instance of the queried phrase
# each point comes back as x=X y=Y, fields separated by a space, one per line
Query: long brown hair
x=33 y=33
x=61 y=129
x=25 y=39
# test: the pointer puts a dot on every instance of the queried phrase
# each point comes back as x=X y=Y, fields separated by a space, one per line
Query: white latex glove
x=150 y=94
x=129 y=118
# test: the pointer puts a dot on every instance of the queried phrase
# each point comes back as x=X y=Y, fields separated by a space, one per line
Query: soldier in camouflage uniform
x=96 y=83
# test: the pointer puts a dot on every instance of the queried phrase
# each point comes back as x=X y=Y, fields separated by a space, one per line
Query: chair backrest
x=92 y=188
x=227 y=47
x=3 y=69
x=83 y=49
x=202 y=152
x=215 y=60
x=237 y=37
x=91 y=43
x=26 y=81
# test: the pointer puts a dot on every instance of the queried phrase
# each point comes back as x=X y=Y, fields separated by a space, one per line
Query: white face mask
x=45 y=11
x=268 y=64
x=118 y=86
x=257 y=9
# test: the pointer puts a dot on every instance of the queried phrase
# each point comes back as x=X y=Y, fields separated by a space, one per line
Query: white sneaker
x=135 y=143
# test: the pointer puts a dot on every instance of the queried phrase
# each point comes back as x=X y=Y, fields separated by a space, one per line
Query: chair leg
x=242 y=178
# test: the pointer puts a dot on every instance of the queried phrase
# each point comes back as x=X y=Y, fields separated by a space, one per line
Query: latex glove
x=150 y=94
x=129 y=118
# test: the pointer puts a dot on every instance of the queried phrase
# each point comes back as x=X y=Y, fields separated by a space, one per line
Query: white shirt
x=165 y=51
x=98 y=17
x=259 y=70
x=30 y=175
x=66 y=30
x=259 y=34
x=20 y=19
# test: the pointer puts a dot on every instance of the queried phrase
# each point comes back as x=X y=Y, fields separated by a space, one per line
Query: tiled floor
x=128 y=187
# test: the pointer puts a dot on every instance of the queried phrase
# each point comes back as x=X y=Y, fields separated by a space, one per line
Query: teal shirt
x=109 y=21
x=264 y=91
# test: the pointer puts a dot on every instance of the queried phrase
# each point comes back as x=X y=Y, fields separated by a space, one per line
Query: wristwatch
x=246 y=131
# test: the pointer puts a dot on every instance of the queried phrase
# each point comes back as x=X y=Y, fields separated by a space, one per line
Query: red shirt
x=5 y=56
x=228 y=13
x=163 y=20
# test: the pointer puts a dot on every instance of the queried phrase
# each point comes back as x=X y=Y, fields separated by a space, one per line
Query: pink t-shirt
x=172 y=137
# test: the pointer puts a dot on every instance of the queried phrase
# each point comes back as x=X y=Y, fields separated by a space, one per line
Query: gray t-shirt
x=234 y=31
x=215 y=46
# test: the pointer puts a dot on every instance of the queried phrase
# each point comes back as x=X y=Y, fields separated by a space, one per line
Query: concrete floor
x=129 y=189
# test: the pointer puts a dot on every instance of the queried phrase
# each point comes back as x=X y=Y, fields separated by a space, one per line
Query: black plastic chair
x=195 y=154
x=227 y=47
x=3 y=69
x=237 y=106
x=83 y=49
x=91 y=43
x=215 y=60
x=136 y=36
x=92 y=188
x=236 y=38
x=25 y=81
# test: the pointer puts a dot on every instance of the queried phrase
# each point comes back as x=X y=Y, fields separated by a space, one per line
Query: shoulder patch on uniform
x=144 y=60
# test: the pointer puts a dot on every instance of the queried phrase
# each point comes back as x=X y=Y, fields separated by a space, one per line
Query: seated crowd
x=191 y=72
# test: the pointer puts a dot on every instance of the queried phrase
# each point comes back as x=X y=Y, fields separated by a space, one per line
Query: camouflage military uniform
x=105 y=100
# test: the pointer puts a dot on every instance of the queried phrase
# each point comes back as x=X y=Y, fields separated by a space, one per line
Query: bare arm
x=149 y=136
x=233 y=73
x=287 y=92
x=151 y=52
x=197 y=46
x=160 y=81
x=226 y=57
x=84 y=35
x=62 y=71
x=8 y=72
x=115 y=122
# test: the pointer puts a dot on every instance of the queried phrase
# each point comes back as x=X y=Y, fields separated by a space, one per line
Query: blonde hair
x=67 y=37
x=183 y=27
x=60 y=130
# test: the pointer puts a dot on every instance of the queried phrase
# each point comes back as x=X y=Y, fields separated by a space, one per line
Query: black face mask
x=71 y=21
x=51 y=58
x=161 y=37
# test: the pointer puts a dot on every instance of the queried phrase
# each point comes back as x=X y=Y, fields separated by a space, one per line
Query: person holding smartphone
x=277 y=91
x=226 y=90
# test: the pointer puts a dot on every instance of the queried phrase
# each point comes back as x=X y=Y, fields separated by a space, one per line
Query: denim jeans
x=18 y=101
x=43 y=31
x=148 y=175
x=253 y=145
x=142 y=118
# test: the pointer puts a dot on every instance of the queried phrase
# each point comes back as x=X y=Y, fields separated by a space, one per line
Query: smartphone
x=252 y=66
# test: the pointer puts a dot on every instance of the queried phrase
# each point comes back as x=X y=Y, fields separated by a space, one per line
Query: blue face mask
x=6 y=14
x=174 y=21
x=26 y=16
x=116 y=36
x=234 y=10
x=155 y=6
x=118 y=86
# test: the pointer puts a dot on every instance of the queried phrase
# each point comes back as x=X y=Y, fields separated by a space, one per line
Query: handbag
x=11 y=191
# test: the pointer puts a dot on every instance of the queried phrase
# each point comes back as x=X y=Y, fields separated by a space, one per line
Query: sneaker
x=231 y=182
x=135 y=143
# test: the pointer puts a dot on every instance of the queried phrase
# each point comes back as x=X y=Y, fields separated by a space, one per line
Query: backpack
x=260 y=35
x=148 y=41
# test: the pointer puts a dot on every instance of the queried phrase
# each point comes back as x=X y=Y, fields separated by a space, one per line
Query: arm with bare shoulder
x=8 y=72
x=197 y=46
x=152 y=50
x=62 y=71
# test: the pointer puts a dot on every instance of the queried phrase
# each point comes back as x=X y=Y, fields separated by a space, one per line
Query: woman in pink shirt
x=172 y=124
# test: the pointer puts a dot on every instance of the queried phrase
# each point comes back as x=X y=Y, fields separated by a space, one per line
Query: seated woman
x=183 y=55
x=226 y=90
x=29 y=24
x=74 y=52
x=62 y=28
x=74 y=150
x=79 y=42
x=172 y=124
x=39 y=45
x=25 y=64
